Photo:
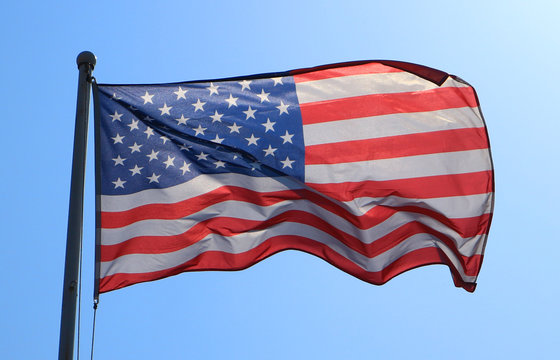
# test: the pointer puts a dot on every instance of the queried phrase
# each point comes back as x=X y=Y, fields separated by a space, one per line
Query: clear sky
x=291 y=305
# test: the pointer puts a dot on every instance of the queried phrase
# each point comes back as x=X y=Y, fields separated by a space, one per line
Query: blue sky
x=291 y=305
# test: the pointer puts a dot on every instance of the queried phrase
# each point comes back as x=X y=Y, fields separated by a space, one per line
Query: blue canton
x=156 y=136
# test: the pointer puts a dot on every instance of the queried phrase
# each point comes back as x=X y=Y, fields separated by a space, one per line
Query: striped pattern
x=398 y=175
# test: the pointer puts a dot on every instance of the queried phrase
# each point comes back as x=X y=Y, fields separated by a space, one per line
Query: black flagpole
x=86 y=63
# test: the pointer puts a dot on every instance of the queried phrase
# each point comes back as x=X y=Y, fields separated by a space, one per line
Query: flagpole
x=86 y=63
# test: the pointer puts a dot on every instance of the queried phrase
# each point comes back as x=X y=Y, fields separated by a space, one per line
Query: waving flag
x=375 y=167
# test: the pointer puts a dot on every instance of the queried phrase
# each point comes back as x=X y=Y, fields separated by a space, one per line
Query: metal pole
x=86 y=63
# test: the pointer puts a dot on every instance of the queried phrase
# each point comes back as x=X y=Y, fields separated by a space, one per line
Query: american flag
x=377 y=167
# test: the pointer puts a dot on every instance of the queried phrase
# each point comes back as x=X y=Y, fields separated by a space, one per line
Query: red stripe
x=215 y=260
x=383 y=104
x=110 y=220
x=420 y=187
x=226 y=226
x=229 y=227
x=374 y=216
x=371 y=68
x=397 y=146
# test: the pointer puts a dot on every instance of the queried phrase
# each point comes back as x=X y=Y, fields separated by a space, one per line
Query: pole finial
x=86 y=57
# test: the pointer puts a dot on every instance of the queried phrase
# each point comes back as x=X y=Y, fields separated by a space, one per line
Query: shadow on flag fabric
x=377 y=167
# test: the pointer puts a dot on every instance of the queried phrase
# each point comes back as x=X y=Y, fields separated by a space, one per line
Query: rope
x=93 y=82
x=95 y=302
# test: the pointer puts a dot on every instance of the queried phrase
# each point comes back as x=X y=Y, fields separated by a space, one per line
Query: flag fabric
x=377 y=167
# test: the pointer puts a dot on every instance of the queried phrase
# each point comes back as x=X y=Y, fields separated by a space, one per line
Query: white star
x=199 y=130
x=269 y=151
x=283 y=108
x=245 y=84
x=185 y=147
x=263 y=96
x=287 y=137
x=268 y=125
x=147 y=98
x=169 y=161
x=199 y=105
x=153 y=155
x=234 y=128
x=217 y=139
x=133 y=125
x=116 y=97
x=119 y=161
x=182 y=120
x=148 y=118
x=235 y=155
x=180 y=93
x=185 y=167
x=165 y=109
x=202 y=156
x=119 y=183
x=287 y=162
x=135 y=170
x=277 y=80
x=153 y=178
x=134 y=148
x=117 y=139
x=250 y=113
x=255 y=165
x=220 y=164
x=116 y=116
x=149 y=132
x=216 y=117
x=213 y=89
x=252 y=140
x=232 y=101
x=164 y=138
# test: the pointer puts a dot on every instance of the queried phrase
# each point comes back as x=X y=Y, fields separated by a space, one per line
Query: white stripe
x=206 y=183
x=200 y=185
x=241 y=210
x=452 y=207
x=391 y=125
x=141 y=263
x=458 y=162
x=365 y=84
x=456 y=263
